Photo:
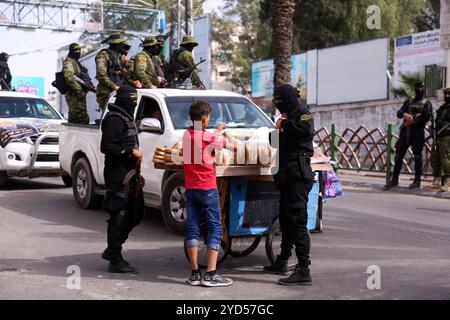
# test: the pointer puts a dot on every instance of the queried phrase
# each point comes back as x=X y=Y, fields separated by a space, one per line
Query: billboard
x=33 y=85
x=263 y=75
x=353 y=73
x=415 y=51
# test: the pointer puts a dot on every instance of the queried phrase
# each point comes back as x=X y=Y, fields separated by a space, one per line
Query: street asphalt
x=44 y=234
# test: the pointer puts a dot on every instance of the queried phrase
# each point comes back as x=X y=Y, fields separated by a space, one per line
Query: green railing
x=368 y=150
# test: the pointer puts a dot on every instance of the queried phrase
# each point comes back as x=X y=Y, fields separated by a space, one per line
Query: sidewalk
x=374 y=180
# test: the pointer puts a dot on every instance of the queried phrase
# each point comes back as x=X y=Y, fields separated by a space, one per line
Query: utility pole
x=445 y=34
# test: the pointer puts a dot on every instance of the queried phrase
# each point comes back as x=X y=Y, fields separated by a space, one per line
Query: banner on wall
x=32 y=85
x=415 y=51
x=263 y=74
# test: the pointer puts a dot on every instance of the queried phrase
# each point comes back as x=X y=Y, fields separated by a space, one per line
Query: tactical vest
x=443 y=122
x=115 y=67
x=417 y=106
x=130 y=140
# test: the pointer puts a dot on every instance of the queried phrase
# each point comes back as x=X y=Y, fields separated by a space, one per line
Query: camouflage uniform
x=109 y=79
x=144 y=68
x=440 y=157
x=77 y=105
x=186 y=60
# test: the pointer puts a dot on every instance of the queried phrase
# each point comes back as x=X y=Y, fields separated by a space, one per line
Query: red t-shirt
x=199 y=158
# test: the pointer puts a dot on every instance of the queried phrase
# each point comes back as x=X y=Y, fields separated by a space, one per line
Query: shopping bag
x=331 y=185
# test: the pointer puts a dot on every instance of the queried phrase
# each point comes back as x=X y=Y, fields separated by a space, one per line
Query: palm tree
x=282 y=26
x=409 y=82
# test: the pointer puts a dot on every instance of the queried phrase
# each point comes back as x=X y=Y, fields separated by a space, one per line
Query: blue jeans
x=206 y=201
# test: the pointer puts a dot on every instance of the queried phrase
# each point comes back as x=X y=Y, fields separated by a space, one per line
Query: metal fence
x=368 y=150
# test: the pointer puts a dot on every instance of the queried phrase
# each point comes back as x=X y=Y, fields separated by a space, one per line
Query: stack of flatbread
x=168 y=156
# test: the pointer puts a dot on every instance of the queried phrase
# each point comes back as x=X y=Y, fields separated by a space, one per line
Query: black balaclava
x=420 y=91
x=75 y=51
x=126 y=99
x=447 y=97
x=4 y=57
x=153 y=50
x=189 y=46
x=120 y=48
x=289 y=97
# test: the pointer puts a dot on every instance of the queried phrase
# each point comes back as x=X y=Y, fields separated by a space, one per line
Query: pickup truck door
x=148 y=141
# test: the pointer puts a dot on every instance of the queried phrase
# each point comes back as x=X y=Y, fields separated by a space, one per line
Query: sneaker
x=301 y=276
x=436 y=183
x=213 y=279
x=121 y=267
x=195 y=278
x=280 y=267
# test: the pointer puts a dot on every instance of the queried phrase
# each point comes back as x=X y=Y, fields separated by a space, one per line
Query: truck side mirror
x=150 y=125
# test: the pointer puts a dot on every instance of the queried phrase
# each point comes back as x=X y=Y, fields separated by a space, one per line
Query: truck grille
x=47 y=141
x=47 y=158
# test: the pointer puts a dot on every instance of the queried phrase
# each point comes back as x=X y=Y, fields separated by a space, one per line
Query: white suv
x=29 y=134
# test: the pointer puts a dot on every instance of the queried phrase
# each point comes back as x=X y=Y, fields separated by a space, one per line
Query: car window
x=234 y=112
x=18 y=107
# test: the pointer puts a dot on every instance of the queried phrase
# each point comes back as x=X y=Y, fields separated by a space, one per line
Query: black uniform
x=5 y=73
x=126 y=206
x=295 y=177
x=413 y=135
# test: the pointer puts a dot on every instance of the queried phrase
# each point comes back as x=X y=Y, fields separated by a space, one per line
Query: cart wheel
x=273 y=244
x=202 y=253
x=243 y=246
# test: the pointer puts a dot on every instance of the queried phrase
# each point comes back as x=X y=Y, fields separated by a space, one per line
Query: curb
x=425 y=192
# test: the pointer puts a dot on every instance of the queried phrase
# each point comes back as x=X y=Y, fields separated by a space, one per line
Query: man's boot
x=110 y=255
x=301 y=276
x=416 y=183
x=280 y=267
x=436 y=183
x=392 y=183
x=121 y=267
x=446 y=186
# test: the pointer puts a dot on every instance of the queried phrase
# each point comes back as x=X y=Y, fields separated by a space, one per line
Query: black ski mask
x=153 y=50
x=287 y=96
x=189 y=46
x=4 y=57
x=126 y=99
x=447 y=97
x=75 y=51
x=120 y=48
x=420 y=91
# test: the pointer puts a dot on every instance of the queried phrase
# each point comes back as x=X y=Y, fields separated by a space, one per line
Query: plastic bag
x=331 y=185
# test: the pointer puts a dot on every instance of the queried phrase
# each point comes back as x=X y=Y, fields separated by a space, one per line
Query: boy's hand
x=219 y=129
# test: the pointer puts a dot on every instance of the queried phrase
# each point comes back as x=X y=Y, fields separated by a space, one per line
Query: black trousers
x=294 y=218
x=416 y=139
x=125 y=214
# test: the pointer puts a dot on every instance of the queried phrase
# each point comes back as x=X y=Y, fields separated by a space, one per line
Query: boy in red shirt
x=201 y=193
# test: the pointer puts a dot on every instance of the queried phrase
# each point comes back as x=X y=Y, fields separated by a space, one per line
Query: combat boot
x=280 y=267
x=415 y=184
x=121 y=267
x=436 y=183
x=301 y=276
x=391 y=184
x=446 y=186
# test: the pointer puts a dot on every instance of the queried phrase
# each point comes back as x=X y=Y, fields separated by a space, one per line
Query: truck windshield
x=18 y=107
x=234 y=112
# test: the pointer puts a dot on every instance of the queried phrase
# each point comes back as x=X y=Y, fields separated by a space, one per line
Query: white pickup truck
x=29 y=132
x=161 y=116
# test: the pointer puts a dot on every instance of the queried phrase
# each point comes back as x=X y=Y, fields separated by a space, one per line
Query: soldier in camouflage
x=110 y=65
x=144 y=66
x=183 y=59
x=76 y=94
x=440 y=157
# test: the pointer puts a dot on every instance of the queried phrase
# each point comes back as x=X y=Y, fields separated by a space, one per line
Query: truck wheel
x=3 y=179
x=83 y=185
x=173 y=203
x=67 y=180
